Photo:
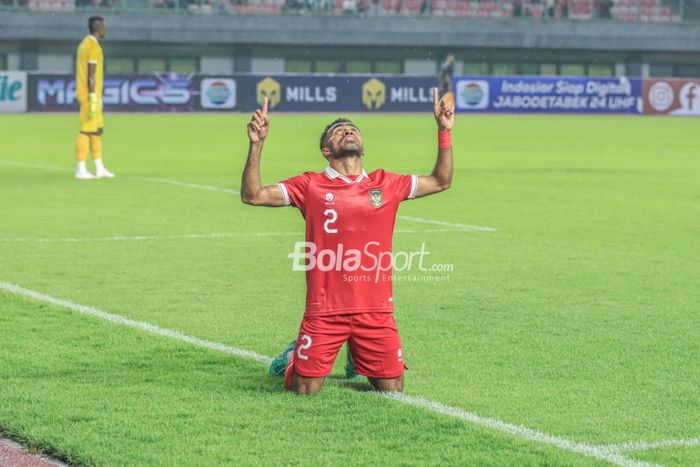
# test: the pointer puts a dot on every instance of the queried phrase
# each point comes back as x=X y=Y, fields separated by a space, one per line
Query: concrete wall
x=225 y=43
x=367 y=32
x=420 y=67
x=208 y=64
x=55 y=62
x=266 y=65
x=13 y=61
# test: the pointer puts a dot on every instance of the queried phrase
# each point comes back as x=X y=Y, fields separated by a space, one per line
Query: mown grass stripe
x=599 y=452
x=141 y=325
x=198 y=186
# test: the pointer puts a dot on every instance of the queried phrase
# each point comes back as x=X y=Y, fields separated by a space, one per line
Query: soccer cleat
x=350 y=371
x=84 y=175
x=104 y=173
x=279 y=363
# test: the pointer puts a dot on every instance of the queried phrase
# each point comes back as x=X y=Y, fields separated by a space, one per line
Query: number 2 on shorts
x=305 y=344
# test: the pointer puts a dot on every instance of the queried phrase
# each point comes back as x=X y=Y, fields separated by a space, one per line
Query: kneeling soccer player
x=348 y=213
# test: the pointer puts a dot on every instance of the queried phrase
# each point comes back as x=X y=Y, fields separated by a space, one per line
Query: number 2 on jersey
x=305 y=344
x=332 y=217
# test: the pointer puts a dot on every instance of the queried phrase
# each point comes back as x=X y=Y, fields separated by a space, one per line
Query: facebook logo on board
x=689 y=97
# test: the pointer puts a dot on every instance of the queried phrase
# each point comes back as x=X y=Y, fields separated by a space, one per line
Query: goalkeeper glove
x=92 y=108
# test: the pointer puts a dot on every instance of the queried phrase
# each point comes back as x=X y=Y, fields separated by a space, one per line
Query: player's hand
x=444 y=112
x=92 y=105
x=259 y=124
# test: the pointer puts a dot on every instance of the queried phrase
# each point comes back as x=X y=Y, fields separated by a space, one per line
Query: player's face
x=101 y=30
x=345 y=140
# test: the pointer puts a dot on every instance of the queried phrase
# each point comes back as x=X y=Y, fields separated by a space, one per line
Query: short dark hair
x=92 y=22
x=331 y=125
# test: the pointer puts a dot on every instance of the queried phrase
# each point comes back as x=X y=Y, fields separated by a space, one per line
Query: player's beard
x=350 y=150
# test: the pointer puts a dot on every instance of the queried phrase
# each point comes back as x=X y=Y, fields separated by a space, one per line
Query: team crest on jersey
x=329 y=199
x=376 y=198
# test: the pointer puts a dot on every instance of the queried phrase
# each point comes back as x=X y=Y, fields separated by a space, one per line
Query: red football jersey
x=349 y=226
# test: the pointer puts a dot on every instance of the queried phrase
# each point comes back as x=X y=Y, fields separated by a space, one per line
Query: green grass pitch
x=577 y=317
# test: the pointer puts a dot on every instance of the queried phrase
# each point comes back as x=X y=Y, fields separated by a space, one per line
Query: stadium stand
x=622 y=10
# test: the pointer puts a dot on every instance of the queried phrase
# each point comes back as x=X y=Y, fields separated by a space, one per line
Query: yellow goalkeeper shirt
x=89 y=51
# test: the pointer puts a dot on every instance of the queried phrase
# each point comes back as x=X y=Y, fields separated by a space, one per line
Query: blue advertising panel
x=156 y=92
x=525 y=94
x=300 y=93
x=167 y=92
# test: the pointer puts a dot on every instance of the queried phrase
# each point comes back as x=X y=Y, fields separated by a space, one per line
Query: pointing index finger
x=264 y=111
x=435 y=99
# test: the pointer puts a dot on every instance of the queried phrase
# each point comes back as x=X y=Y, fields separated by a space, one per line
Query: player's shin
x=96 y=147
x=82 y=146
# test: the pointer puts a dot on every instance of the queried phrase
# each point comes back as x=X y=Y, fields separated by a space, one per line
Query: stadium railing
x=621 y=10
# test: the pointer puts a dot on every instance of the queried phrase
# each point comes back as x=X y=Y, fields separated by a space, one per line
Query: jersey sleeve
x=93 y=53
x=405 y=186
x=294 y=190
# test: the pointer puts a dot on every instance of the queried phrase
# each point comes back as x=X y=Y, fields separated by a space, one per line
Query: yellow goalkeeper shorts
x=94 y=124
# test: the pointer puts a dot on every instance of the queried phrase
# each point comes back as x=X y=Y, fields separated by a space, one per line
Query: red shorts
x=373 y=339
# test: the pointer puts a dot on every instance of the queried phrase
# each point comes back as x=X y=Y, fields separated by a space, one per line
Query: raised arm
x=441 y=178
x=252 y=191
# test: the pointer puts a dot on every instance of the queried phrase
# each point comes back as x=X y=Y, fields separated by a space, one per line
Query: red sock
x=289 y=371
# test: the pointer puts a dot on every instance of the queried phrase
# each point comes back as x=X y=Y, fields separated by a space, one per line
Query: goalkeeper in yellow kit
x=89 y=66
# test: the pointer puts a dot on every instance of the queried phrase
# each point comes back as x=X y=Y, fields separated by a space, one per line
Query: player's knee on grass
x=387 y=384
x=302 y=385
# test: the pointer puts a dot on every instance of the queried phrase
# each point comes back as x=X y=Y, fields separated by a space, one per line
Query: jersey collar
x=333 y=174
x=93 y=38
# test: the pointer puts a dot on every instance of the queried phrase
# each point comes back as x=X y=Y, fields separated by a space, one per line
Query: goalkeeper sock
x=82 y=145
x=96 y=147
x=99 y=165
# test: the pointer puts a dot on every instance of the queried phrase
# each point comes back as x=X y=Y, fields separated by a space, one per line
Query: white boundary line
x=28 y=165
x=602 y=452
x=141 y=325
x=642 y=445
x=169 y=181
x=197 y=186
x=138 y=238
x=447 y=224
x=519 y=431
